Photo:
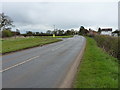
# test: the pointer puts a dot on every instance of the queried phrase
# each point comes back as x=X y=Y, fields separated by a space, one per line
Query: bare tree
x=5 y=22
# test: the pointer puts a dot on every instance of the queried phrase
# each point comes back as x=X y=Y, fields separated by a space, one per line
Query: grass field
x=11 y=45
x=97 y=68
x=64 y=36
x=69 y=36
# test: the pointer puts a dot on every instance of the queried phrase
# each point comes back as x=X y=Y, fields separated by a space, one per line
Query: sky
x=42 y=16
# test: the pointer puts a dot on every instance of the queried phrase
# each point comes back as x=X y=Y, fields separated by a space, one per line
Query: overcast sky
x=33 y=16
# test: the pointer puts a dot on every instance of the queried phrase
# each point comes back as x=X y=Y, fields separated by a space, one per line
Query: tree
x=49 y=32
x=29 y=33
x=37 y=33
x=60 y=32
x=83 y=31
x=5 y=22
x=54 y=32
x=68 y=32
x=7 y=33
x=17 y=32
x=117 y=32
x=99 y=30
x=72 y=31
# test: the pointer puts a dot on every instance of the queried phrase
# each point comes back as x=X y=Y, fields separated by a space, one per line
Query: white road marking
x=27 y=60
x=19 y=64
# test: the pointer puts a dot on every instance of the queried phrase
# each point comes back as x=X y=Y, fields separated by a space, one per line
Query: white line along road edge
x=19 y=64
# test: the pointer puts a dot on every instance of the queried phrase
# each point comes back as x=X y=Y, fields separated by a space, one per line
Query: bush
x=6 y=33
x=109 y=44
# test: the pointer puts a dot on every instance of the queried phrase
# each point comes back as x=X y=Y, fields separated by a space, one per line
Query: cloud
x=42 y=16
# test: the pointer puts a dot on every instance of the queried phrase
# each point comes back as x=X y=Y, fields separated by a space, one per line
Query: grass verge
x=69 y=36
x=97 y=68
x=11 y=45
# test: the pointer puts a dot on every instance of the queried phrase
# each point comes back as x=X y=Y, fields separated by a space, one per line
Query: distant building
x=106 y=31
x=92 y=32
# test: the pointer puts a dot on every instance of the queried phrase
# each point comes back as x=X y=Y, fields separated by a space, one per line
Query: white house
x=106 y=31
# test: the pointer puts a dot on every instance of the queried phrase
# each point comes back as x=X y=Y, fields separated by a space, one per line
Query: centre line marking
x=18 y=64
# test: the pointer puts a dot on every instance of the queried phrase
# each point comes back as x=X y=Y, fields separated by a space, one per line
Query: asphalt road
x=40 y=67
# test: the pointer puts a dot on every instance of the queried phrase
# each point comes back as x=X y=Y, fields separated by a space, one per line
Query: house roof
x=106 y=29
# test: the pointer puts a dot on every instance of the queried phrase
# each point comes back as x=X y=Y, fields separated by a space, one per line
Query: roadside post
x=53 y=35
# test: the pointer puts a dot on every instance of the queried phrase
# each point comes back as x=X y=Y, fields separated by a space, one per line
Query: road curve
x=41 y=67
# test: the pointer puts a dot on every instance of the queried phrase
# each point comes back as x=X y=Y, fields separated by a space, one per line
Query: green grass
x=11 y=45
x=64 y=36
x=69 y=36
x=97 y=68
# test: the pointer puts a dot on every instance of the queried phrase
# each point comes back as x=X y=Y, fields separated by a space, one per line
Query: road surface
x=41 y=67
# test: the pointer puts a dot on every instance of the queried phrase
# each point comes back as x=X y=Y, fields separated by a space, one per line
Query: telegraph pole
x=54 y=27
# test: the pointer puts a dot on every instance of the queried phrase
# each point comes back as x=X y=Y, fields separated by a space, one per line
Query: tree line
x=57 y=32
x=6 y=25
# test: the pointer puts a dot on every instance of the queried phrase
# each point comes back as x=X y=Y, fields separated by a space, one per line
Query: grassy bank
x=64 y=36
x=11 y=45
x=97 y=68
x=69 y=36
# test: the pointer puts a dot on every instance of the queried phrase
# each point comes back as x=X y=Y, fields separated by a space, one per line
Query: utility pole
x=54 y=27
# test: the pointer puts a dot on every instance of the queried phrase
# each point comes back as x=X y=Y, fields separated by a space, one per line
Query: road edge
x=69 y=78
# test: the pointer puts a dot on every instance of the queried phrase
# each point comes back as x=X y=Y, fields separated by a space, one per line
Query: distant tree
x=60 y=32
x=72 y=31
x=54 y=32
x=37 y=33
x=76 y=32
x=17 y=32
x=29 y=33
x=41 y=34
x=63 y=32
x=117 y=31
x=82 y=28
x=49 y=32
x=99 y=30
x=83 y=31
x=68 y=32
x=90 y=29
x=7 y=33
x=5 y=21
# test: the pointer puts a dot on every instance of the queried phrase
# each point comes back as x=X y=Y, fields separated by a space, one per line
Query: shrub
x=109 y=44
x=6 y=33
